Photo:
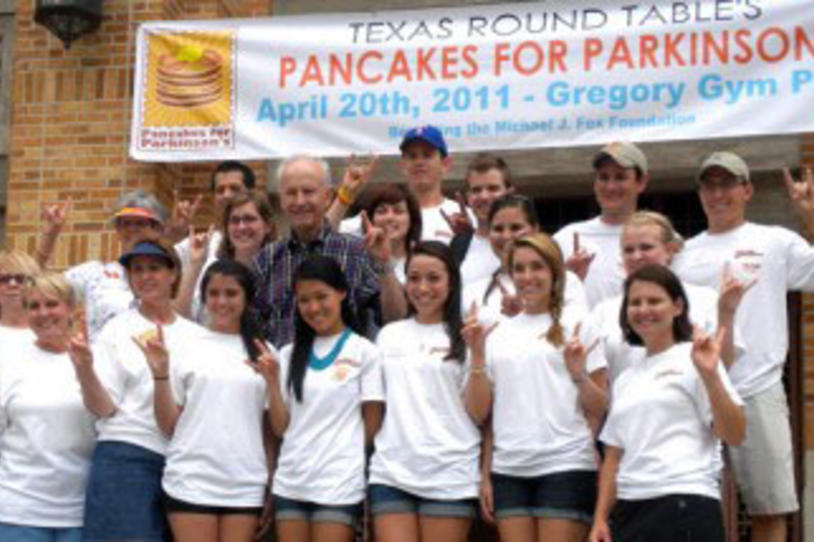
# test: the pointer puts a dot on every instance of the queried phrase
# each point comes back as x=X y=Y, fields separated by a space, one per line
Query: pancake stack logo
x=189 y=90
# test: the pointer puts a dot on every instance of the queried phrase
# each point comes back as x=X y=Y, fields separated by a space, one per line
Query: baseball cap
x=624 y=153
x=146 y=248
x=729 y=161
x=429 y=134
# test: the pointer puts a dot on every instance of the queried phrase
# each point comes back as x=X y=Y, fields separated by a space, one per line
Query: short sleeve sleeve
x=610 y=431
x=702 y=397
x=107 y=364
x=590 y=337
x=372 y=379
x=800 y=263
x=81 y=275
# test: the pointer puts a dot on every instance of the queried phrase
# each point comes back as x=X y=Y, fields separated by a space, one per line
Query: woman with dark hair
x=393 y=208
x=511 y=217
x=123 y=500
x=212 y=408
x=248 y=221
x=424 y=472
x=325 y=401
x=46 y=435
x=660 y=474
x=545 y=392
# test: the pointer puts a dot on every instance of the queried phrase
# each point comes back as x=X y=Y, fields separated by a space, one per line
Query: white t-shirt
x=104 y=288
x=433 y=225
x=490 y=306
x=12 y=338
x=539 y=426
x=661 y=417
x=480 y=261
x=46 y=440
x=322 y=458
x=782 y=261
x=123 y=371
x=620 y=354
x=606 y=274
x=428 y=445
x=216 y=456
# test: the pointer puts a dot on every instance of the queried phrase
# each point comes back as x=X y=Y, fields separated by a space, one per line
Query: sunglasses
x=19 y=278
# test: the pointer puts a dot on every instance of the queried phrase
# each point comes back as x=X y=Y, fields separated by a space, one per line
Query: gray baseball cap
x=729 y=161
x=624 y=153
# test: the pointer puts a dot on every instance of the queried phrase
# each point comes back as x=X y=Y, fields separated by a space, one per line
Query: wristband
x=344 y=195
x=159 y=378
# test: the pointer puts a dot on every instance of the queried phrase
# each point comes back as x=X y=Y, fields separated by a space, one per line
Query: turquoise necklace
x=318 y=364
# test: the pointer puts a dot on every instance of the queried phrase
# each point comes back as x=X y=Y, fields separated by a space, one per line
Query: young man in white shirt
x=591 y=247
x=780 y=260
x=487 y=179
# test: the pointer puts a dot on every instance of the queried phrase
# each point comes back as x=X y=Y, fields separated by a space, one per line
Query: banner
x=503 y=76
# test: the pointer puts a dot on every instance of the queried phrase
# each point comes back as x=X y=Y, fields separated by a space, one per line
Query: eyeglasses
x=19 y=278
x=235 y=220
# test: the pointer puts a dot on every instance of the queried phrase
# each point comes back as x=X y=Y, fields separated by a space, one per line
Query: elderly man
x=305 y=194
x=778 y=260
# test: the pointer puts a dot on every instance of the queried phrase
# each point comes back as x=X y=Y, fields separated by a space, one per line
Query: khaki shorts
x=763 y=464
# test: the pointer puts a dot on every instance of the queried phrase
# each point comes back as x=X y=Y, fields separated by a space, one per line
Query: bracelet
x=344 y=195
x=477 y=370
x=159 y=378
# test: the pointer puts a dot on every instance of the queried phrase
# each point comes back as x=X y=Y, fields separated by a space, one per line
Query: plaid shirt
x=274 y=271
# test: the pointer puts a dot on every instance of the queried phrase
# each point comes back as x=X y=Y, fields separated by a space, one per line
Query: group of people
x=427 y=361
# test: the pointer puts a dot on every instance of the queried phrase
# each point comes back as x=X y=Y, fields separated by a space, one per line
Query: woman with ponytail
x=211 y=404
x=543 y=381
x=324 y=399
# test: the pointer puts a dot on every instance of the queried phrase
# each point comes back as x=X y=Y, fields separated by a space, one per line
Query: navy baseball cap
x=429 y=134
x=146 y=248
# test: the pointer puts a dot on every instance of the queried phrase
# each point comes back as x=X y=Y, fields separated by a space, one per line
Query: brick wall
x=807 y=159
x=70 y=117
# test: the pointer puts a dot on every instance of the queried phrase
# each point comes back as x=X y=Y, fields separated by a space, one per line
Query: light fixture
x=69 y=19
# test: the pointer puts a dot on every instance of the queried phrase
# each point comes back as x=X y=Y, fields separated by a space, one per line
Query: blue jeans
x=25 y=533
x=123 y=499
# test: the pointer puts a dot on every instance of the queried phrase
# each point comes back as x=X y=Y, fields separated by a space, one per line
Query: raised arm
x=166 y=409
x=592 y=388
x=96 y=398
x=728 y=420
x=801 y=194
x=53 y=219
x=478 y=391
x=268 y=367
x=358 y=173
x=198 y=244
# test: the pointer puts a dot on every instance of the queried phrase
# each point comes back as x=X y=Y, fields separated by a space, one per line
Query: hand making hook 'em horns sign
x=579 y=261
x=459 y=222
x=474 y=332
x=151 y=343
x=576 y=355
x=376 y=241
x=732 y=290
x=510 y=304
x=267 y=364
x=706 y=350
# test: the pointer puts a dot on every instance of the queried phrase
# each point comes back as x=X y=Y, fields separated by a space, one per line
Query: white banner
x=506 y=76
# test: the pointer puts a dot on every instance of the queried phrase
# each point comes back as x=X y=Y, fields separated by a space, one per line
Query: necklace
x=319 y=363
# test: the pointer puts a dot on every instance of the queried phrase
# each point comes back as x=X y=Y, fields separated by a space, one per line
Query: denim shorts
x=292 y=509
x=560 y=495
x=390 y=500
x=123 y=499
x=173 y=505
x=27 y=533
